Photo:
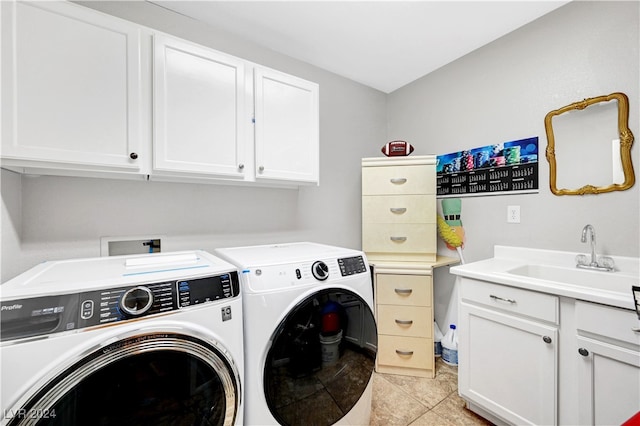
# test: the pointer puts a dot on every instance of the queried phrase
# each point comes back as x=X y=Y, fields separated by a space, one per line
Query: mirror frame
x=626 y=141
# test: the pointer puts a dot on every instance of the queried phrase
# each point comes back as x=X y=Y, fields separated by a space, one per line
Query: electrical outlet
x=513 y=214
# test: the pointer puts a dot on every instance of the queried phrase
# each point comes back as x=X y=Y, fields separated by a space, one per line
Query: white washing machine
x=310 y=334
x=128 y=340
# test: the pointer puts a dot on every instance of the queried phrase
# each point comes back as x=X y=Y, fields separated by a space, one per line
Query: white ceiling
x=382 y=44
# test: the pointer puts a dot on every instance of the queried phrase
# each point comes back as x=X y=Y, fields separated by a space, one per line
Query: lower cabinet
x=514 y=346
x=404 y=314
x=608 y=358
x=508 y=363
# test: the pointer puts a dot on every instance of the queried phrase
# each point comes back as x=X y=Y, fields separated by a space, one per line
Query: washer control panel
x=52 y=314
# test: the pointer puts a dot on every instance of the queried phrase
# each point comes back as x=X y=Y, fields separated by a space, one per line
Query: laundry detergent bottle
x=450 y=346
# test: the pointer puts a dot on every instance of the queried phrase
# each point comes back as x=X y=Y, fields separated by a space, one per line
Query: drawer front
x=406 y=290
x=398 y=180
x=399 y=237
x=410 y=321
x=399 y=209
x=607 y=321
x=409 y=352
x=515 y=300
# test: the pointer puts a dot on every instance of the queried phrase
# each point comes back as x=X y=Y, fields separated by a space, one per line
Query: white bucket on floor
x=330 y=348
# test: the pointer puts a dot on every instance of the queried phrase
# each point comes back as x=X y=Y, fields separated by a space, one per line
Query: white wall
x=502 y=92
x=48 y=218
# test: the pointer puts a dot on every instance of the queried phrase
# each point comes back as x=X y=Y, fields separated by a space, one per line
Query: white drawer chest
x=399 y=234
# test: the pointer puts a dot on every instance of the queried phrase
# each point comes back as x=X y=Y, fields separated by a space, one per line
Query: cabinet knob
x=546 y=339
x=261 y=169
x=583 y=352
x=133 y=156
x=241 y=166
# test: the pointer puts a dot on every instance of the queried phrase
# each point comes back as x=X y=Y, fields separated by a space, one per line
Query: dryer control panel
x=38 y=316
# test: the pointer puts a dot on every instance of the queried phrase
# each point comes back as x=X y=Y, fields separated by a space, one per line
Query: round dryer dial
x=320 y=270
x=136 y=301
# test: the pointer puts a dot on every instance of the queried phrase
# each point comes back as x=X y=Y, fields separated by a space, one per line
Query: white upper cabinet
x=286 y=127
x=70 y=89
x=88 y=94
x=199 y=110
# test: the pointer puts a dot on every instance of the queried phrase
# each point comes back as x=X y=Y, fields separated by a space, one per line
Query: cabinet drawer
x=399 y=209
x=516 y=300
x=406 y=290
x=410 y=352
x=607 y=321
x=399 y=237
x=391 y=180
x=398 y=320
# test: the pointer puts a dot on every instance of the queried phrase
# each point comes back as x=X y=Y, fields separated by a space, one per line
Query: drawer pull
x=398 y=210
x=636 y=330
x=583 y=352
x=502 y=299
x=398 y=181
x=546 y=339
x=404 y=353
x=398 y=239
x=403 y=291
x=404 y=322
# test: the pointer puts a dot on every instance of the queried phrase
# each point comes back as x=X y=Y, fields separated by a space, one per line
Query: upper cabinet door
x=199 y=110
x=70 y=88
x=286 y=127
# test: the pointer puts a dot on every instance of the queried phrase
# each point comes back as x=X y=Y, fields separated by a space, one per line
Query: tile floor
x=404 y=400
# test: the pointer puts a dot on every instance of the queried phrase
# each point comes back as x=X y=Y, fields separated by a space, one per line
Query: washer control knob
x=136 y=301
x=320 y=270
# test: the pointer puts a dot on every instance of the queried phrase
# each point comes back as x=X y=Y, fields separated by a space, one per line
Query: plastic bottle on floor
x=437 y=340
x=450 y=346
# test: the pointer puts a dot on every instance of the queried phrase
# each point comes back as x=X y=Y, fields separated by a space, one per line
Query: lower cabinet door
x=609 y=382
x=508 y=365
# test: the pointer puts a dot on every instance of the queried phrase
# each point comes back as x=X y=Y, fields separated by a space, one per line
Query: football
x=397 y=148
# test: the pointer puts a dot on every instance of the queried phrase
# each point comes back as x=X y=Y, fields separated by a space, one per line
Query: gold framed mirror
x=619 y=168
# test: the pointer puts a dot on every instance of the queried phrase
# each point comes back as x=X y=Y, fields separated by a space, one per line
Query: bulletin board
x=503 y=168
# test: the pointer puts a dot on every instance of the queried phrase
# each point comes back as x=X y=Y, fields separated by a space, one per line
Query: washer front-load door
x=321 y=359
x=148 y=379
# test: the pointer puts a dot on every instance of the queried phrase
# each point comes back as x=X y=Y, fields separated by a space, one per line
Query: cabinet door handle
x=398 y=239
x=636 y=330
x=404 y=322
x=583 y=352
x=133 y=156
x=546 y=339
x=261 y=169
x=398 y=181
x=398 y=210
x=241 y=166
x=502 y=299
x=403 y=291
x=404 y=353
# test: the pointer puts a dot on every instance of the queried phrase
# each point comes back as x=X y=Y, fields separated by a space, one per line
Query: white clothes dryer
x=151 y=339
x=310 y=333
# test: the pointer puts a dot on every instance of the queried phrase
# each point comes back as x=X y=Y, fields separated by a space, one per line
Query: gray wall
x=48 y=218
x=502 y=92
x=498 y=93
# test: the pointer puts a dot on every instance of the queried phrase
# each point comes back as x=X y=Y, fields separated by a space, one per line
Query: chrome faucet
x=588 y=229
x=604 y=264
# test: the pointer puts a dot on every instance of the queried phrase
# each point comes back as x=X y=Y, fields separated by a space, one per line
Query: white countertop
x=609 y=288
